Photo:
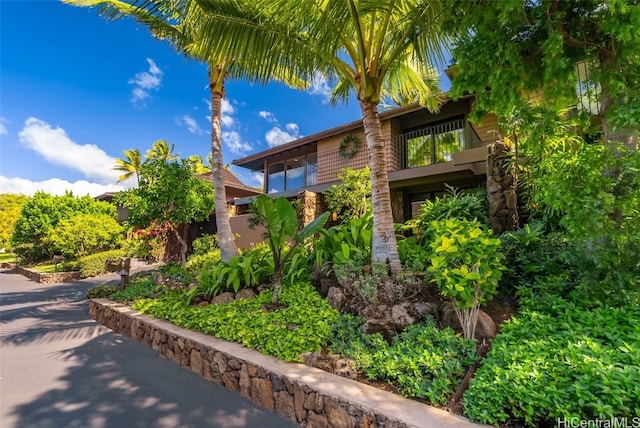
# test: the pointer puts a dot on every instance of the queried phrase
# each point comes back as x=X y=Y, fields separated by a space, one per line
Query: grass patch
x=7 y=258
x=50 y=268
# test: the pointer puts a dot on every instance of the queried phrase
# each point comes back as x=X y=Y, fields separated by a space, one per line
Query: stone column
x=308 y=207
x=501 y=189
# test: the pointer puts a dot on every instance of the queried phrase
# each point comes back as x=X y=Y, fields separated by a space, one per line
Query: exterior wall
x=487 y=130
x=308 y=396
x=331 y=163
x=245 y=237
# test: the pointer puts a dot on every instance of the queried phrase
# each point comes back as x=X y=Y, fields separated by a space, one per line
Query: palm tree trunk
x=183 y=247
x=383 y=246
x=228 y=246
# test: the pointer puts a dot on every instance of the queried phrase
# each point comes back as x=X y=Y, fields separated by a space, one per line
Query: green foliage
x=205 y=244
x=455 y=203
x=93 y=265
x=413 y=255
x=10 y=209
x=175 y=276
x=347 y=242
x=168 y=194
x=532 y=256
x=41 y=213
x=465 y=266
x=248 y=270
x=101 y=291
x=303 y=326
x=423 y=361
x=465 y=259
x=523 y=47
x=556 y=360
x=84 y=234
x=351 y=197
x=139 y=289
x=283 y=237
x=199 y=262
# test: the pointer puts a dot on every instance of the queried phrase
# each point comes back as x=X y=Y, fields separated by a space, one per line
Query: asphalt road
x=61 y=369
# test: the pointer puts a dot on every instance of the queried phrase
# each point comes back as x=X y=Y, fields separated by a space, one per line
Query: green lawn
x=7 y=258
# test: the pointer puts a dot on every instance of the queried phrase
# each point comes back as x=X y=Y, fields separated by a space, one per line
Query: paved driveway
x=61 y=369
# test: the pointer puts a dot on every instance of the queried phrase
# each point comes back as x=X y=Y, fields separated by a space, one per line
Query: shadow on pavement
x=108 y=380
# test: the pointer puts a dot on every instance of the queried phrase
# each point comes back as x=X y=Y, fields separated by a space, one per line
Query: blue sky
x=77 y=90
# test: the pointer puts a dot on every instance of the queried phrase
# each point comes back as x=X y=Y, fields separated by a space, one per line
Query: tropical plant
x=344 y=243
x=169 y=195
x=130 y=165
x=382 y=49
x=282 y=235
x=466 y=267
x=181 y=24
x=161 y=150
x=351 y=196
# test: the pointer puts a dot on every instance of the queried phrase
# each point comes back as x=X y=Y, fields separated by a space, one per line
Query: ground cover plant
x=423 y=361
x=303 y=325
x=556 y=359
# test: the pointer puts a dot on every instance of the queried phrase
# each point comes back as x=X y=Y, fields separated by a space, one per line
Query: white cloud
x=227 y=114
x=268 y=116
x=258 y=178
x=3 y=128
x=277 y=136
x=234 y=143
x=55 y=186
x=191 y=124
x=144 y=82
x=320 y=86
x=55 y=146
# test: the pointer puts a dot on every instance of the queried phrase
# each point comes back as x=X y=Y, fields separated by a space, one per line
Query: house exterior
x=425 y=151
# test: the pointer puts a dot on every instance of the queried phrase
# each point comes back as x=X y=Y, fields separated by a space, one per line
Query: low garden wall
x=306 y=395
x=47 y=278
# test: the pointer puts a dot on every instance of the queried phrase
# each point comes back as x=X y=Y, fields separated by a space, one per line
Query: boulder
x=336 y=298
x=384 y=326
x=222 y=298
x=245 y=293
x=400 y=316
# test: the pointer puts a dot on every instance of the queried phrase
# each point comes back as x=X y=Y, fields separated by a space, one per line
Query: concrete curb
x=309 y=396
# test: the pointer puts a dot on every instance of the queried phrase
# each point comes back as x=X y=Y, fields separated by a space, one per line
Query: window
x=437 y=143
x=276 y=178
x=294 y=173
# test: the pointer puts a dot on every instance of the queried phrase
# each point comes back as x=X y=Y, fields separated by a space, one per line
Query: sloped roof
x=234 y=187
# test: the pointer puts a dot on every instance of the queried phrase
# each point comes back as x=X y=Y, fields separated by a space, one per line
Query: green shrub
x=557 y=360
x=140 y=289
x=199 y=262
x=466 y=267
x=84 y=234
x=351 y=197
x=455 y=203
x=205 y=244
x=423 y=361
x=303 y=326
x=93 y=265
x=347 y=242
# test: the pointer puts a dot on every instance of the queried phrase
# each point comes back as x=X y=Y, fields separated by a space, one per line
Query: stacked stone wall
x=294 y=391
x=48 y=278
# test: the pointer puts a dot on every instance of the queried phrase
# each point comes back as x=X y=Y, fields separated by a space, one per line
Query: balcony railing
x=426 y=146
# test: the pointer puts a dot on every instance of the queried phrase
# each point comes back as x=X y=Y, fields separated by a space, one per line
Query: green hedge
x=93 y=265
x=556 y=360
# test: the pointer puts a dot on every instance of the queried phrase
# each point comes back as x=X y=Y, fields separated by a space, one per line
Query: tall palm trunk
x=383 y=246
x=228 y=246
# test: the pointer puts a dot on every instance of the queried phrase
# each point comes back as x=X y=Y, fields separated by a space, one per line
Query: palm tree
x=375 y=48
x=180 y=22
x=161 y=150
x=130 y=165
x=198 y=165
